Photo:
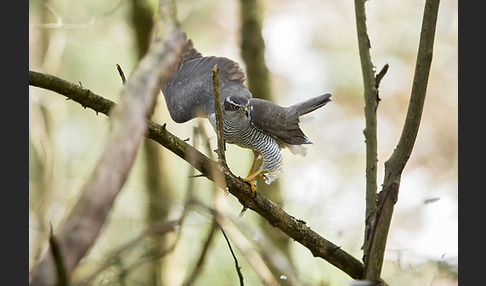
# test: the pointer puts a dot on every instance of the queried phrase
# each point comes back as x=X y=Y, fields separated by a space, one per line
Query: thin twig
x=151 y=255
x=196 y=176
x=122 y=75
x=191 y=174
x=219 y=116
x=255 y=258
x=378 y=79
x=202 y=256
x=380 y=75
x=238 y=268
x=270 y=256
x=222 y=166
x=158 y=228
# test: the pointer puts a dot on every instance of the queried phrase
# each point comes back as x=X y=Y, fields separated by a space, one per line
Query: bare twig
x=159 y=228
x=219 y=179
x=380 y=75
x=238 y=268
x=275 y=259
x=247 y=248
x=122 y=75
x=258 y=257
x=219 y=116
x=191 y=174
x=196 y=176
x=151 y=255
x=202 y=256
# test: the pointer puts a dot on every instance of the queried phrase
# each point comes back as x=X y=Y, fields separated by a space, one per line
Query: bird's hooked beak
x=247 y=111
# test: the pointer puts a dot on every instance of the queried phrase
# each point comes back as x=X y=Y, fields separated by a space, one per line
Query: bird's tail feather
x=312 y=104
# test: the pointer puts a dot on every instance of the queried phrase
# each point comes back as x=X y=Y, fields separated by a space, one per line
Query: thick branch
x=396 y=163
x=80 y=229
x=272 y=212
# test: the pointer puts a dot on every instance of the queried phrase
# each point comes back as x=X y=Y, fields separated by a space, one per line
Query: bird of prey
x=257 y=124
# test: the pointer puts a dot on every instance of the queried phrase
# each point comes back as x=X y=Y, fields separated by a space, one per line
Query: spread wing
x=189 y=92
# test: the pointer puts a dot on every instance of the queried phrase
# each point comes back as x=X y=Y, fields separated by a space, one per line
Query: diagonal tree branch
x=272 y=212
x=80 y=229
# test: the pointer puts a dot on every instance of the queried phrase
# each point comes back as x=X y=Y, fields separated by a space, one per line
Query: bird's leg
x=257 y=174
x=252 y=167
x=252 y=174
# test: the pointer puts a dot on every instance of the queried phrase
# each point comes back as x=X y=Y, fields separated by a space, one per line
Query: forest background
x=310 y=48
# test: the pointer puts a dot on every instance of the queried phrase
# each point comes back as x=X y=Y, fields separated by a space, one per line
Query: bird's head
x=237 y=106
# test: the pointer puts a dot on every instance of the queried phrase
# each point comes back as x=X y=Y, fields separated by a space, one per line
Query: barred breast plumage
x=244 y=134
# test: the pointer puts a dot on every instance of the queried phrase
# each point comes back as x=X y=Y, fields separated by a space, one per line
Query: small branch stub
x=122 y=75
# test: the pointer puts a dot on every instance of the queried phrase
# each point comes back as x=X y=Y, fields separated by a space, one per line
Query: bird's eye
x=236 y=107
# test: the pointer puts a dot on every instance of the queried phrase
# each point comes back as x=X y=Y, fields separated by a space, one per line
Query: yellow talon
x=251 y=178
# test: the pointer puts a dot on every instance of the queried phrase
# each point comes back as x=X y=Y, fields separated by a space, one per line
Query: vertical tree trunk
x=253 y=53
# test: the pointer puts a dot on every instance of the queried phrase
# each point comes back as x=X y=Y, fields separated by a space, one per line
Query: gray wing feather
x=189 y=92
x=283 y=122
x=277 y=121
